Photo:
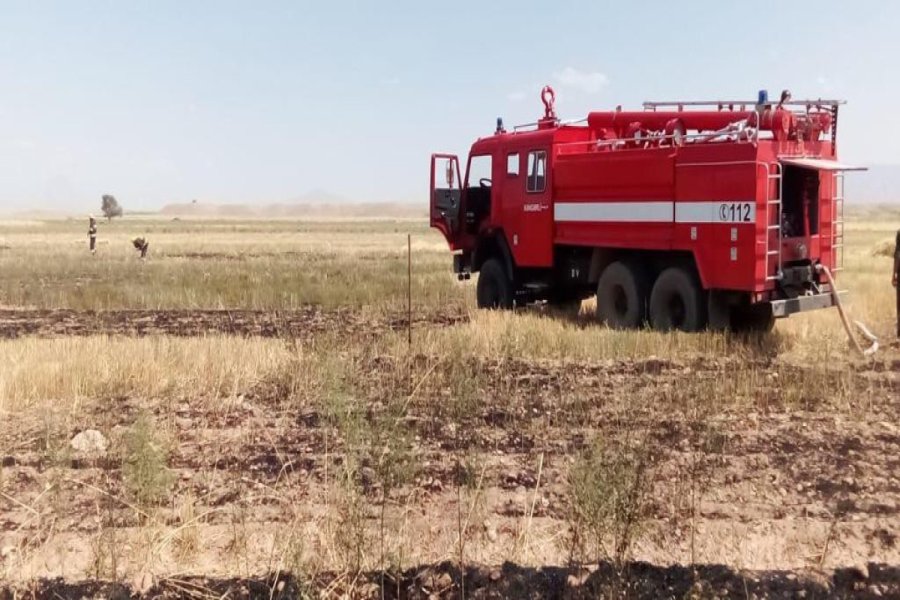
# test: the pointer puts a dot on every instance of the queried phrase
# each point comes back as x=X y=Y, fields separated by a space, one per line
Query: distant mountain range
x=317 y=203
x=879 y=185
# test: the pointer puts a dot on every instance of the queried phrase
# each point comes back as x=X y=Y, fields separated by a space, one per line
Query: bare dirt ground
x=798 y=501
x=303 y=323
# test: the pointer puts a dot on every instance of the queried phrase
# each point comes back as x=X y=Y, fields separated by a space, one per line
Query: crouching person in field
x=141 y=245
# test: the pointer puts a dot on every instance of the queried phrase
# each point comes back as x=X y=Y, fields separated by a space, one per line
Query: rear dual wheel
x=622 y=295
x=735 y=314
x=756 y=318
x=677 y=301
x=625 y=300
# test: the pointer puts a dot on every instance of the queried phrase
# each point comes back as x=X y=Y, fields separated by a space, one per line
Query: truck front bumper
x=789 y=306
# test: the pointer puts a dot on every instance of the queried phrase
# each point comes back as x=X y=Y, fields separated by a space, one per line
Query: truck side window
x=537 y=162
x=512 y=164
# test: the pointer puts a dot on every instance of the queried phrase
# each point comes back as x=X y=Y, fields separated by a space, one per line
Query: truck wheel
x=718 y=311
x=677 y=302
x=757 y=318
x=494 y=288
x=622 y=296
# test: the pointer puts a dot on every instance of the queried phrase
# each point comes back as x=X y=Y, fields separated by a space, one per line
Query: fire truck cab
x=684 y=215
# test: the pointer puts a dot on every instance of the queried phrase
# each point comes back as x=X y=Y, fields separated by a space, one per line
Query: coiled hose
x=862 y=328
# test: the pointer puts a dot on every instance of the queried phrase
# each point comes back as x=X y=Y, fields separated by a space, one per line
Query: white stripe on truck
x=604 y=212
x=656 y=211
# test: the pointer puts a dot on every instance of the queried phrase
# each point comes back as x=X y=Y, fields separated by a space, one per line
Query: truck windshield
x=479 y=170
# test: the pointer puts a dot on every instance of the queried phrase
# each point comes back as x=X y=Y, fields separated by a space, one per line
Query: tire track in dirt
x=302 y=323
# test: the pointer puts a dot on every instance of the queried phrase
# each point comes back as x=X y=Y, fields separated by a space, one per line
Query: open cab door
x=446 y=196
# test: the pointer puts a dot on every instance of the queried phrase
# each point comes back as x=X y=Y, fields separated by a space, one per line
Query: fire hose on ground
x=862 y=328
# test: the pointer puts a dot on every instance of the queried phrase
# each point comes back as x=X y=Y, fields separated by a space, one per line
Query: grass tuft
x=145 y=463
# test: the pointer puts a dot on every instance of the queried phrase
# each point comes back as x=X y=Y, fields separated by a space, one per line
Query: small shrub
x=344 y=416
x=105 y=546
x=105 y=554
x=144 y=464
x=348 y=527
x=883 y=248
x=187 y=536
x=609 y=488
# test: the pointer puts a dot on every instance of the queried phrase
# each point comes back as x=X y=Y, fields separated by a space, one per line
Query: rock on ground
x=90 y=443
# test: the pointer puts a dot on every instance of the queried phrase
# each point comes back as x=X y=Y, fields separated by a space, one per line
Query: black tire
x=622 y=296
x=494 y=289
x=677 y=302
x=718 y=310
x=757 y=318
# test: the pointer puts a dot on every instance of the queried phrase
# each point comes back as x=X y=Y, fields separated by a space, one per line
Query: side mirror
x=450 y=174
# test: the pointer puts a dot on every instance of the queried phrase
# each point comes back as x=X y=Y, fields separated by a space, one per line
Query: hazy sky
x=260 y=102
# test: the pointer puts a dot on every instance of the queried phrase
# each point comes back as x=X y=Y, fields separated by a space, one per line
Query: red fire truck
x=683 y=215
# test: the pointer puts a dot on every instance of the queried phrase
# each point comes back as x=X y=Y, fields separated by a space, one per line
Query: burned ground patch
x=298 y=324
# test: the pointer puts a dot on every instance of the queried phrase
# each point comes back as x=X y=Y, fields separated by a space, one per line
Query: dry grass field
x=266 y=430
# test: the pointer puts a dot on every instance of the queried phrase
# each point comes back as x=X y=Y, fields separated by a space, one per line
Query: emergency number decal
x=736 y=212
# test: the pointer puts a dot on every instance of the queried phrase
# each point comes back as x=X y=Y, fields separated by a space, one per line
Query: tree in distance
x=110 y=207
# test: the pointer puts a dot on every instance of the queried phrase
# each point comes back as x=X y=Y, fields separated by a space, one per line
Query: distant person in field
x=141 y=245
x=896 y=276
x=92 y=233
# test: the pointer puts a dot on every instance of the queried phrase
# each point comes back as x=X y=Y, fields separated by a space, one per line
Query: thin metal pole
x=409 y=288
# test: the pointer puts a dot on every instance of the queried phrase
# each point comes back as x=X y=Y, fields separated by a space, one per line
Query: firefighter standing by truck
x=92 y=234
x=896 y=276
